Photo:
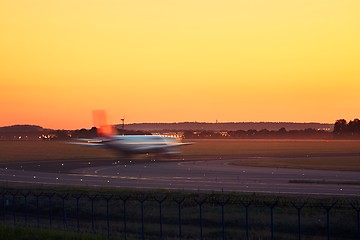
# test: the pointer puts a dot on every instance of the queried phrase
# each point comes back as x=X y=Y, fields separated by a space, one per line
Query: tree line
x=282 y=133
x=89 y=133
x=342 y=128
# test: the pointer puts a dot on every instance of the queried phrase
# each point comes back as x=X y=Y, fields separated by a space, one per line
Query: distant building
x=224 y=134
x=170 y=134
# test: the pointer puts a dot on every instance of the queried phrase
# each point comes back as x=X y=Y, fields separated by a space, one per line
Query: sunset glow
x=178 y=60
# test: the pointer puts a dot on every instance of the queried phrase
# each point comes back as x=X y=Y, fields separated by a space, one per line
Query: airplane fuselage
x=141 y=144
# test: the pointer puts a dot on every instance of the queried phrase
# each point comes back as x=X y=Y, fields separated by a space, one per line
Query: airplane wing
x=94 y=142
x=159 y=147
x=87 y=144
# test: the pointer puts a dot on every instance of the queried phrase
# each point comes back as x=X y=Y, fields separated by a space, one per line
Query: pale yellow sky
x=170 y=61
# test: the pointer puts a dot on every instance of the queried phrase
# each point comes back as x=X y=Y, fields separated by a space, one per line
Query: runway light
x=81 y=179
x=57 y=178
x=34 y=177
x=62 y=164
x=108 y=181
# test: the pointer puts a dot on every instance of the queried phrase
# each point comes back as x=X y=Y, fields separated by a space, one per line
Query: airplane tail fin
x=100 y=122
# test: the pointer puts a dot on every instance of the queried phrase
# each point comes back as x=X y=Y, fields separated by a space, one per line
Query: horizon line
x=196 y=122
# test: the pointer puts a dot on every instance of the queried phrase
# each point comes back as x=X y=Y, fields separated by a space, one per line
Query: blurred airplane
x=130 y=144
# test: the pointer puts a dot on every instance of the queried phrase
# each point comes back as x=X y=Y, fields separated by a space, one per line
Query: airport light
x=123 y=125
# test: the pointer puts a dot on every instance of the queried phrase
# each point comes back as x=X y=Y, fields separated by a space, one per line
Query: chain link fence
x=176 y=215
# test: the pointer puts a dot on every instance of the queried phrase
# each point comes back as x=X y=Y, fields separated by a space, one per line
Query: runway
x=204 y=175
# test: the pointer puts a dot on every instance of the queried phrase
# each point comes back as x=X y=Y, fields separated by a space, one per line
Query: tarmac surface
x=193 y=174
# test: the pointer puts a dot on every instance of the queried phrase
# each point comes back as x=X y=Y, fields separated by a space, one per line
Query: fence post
x=50 y=196
x=328 y=208
x=356 y=207
x=3 y=195
x=200 y=202
x=63 y=197
x=272 y=206
x=92 y=198
x=25 y=195
x=160 y=201
x=179 y=202
x=299 y=208
x=37 y=208
x=108 y=198
x=247 y=205
x=142 y=199
x=14 y=194
x=77 y=197
x=222 y=202
x=124 y=199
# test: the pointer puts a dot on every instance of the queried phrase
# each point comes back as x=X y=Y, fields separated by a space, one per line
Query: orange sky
x=178 y=60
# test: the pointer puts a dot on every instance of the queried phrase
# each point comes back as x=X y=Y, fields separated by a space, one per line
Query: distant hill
x=226 y=126
x=23 y=132
x=21 y=129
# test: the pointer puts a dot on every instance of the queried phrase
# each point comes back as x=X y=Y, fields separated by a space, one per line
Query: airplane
x=130 y=144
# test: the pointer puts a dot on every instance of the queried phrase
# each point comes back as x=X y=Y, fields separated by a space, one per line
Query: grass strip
x=324 y=182
x=314 y=163
x=26 y=233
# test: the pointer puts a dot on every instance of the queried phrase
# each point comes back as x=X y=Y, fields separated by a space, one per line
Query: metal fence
x=167 y=215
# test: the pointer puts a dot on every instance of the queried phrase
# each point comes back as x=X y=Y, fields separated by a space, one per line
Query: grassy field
x=276 y=153
x=48 y=150
x=271 y=147
x=325 y=163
